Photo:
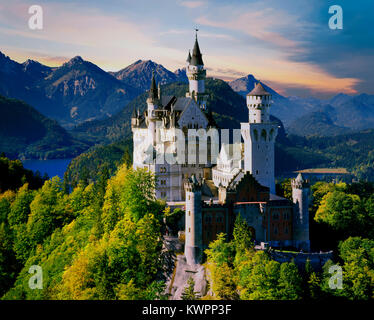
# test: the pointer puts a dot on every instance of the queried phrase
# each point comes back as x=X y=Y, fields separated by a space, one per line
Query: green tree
x=48 y=211
x=220 y=251
x=189 y=291
x=242 y=235
x=341 y=211
x=224 y=282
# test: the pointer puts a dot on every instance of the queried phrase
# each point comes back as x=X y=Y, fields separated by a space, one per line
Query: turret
x=193 y=249
x=300 y=197
x=258 y=103
x=196 y=76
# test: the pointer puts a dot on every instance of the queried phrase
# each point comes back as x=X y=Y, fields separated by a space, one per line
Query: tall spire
x=153 y=94
x=197 y=59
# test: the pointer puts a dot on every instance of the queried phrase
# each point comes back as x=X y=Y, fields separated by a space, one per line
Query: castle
x=239 y=179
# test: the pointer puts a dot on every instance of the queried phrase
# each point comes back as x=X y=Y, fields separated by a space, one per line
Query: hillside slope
x=25 y=133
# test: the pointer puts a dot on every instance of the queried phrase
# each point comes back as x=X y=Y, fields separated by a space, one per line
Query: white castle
x=191 y=112
x=234 y=178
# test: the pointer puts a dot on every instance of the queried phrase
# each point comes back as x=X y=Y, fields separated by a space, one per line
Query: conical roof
x=153 y=90
x=189 y=57
x=258 y=90
x=197 y=59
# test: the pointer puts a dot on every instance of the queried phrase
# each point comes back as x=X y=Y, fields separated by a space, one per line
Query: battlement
x=299 y=182
x=192 y=184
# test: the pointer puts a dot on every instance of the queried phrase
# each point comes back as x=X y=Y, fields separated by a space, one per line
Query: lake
x=55 y=167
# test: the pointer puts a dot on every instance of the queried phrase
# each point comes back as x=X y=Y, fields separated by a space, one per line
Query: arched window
x=255 y=133
x=263 y=134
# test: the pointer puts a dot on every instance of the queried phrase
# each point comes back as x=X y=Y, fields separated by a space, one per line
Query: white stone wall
x=259 y=140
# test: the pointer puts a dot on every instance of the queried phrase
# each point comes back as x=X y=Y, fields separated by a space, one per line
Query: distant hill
x=26 y=133
x=353 y=151
x=316 y=123
x=139 y=74
x=339 y=115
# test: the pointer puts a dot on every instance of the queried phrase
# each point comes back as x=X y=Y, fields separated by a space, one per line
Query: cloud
x=258 y=24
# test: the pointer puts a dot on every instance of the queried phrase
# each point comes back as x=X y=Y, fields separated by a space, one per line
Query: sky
x=286 y=44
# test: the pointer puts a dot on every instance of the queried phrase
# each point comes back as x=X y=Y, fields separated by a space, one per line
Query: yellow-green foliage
x=61 y=233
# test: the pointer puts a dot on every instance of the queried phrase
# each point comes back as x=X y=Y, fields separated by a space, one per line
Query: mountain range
x=79 y=91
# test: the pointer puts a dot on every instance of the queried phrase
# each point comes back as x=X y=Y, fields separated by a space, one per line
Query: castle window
x=189 y=229
x=286 y=230
x=286 y=216
x=189 y=212
x=263 y=134
x=256 y=171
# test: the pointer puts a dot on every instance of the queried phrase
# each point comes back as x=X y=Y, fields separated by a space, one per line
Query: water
x=55 y=167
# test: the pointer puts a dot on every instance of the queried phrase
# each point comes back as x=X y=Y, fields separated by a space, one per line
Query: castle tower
x=193 y=234
x=259 y=138
x=152 y=104
x=300 y=196
x=196 y=76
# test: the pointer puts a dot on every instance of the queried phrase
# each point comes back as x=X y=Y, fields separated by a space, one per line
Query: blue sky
x=286 y=44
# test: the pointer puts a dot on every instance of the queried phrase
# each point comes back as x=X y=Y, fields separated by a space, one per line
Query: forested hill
x=26 y=133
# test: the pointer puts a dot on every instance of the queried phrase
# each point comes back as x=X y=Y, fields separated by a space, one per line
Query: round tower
x=300 y=197
x=193 y=233
x=259 y=138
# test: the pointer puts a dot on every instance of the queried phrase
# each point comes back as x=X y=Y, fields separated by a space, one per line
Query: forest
x=102 y=240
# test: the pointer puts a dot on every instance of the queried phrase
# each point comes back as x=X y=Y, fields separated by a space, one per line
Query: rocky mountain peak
x=74 y=61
